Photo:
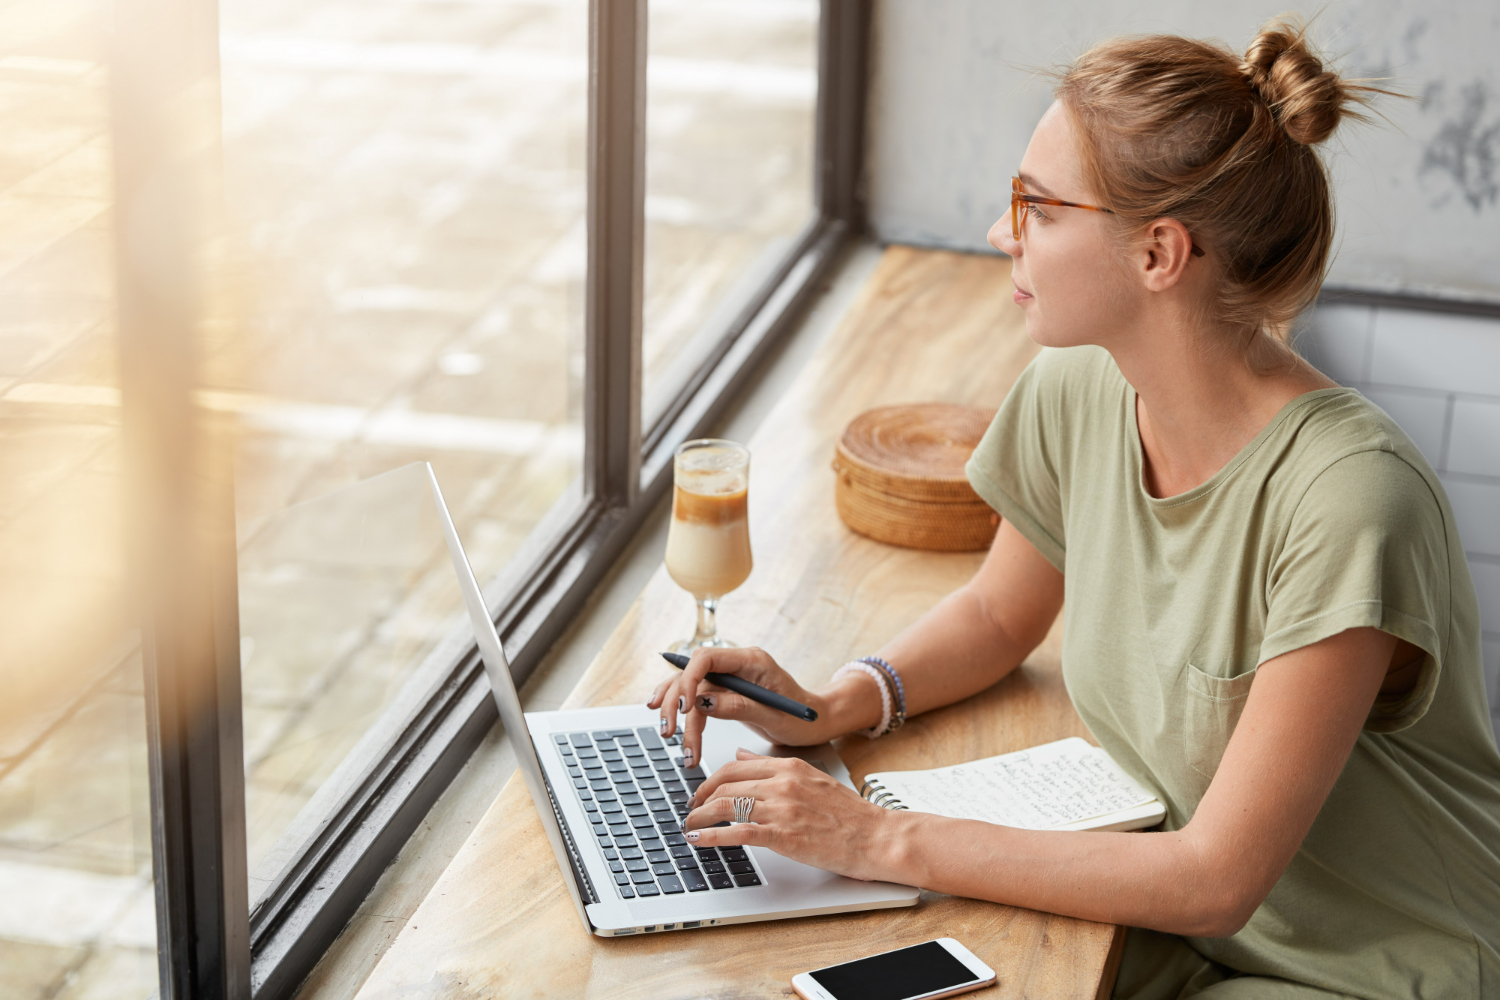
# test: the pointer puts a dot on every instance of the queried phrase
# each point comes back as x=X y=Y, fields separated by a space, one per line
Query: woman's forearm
x=955 y=650
x=1162 y=881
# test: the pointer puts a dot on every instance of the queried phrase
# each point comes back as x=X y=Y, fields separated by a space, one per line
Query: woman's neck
x=1198 y=406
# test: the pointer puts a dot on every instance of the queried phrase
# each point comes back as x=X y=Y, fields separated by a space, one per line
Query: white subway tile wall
x=1438 y=376
x=1474 y=445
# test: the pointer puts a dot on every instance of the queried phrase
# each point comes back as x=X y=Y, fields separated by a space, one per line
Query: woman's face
x=1069 y=276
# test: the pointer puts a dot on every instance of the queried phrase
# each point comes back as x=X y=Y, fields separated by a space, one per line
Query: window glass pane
x=405 y=183
x=731 y=89
x=77 y=916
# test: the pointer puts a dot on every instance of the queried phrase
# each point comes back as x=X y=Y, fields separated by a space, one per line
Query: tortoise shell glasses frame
x=1018 y=196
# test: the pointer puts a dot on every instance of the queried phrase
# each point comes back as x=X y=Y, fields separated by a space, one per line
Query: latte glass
x=708 y=543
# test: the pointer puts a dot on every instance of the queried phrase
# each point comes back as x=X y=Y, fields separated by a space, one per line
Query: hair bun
x=1307 y=100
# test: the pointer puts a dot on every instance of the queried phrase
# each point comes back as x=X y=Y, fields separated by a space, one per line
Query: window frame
x=212 y=944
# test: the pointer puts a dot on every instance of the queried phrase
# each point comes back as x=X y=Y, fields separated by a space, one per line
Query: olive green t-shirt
x=1329 y=520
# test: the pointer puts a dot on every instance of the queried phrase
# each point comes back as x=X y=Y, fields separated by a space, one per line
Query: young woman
x=1271 y=621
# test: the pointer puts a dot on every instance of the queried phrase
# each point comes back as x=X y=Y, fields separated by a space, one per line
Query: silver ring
x=743 y=804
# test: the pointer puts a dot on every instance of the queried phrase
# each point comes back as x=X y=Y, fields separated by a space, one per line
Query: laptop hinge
x=580 y=872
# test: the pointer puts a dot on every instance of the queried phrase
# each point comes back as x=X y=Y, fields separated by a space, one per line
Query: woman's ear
x=1165 y=249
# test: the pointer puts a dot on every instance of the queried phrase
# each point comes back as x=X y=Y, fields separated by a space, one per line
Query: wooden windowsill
x=929 y=325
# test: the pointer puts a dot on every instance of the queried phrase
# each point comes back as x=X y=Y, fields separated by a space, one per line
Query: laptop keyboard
x=636 y=793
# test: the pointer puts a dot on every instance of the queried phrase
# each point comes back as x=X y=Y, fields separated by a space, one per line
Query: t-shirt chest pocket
x=1213 y=707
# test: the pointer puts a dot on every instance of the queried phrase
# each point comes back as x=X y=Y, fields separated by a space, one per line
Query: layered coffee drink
x=708 y=542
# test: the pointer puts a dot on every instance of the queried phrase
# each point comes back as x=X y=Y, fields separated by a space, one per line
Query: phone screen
x=896 y=975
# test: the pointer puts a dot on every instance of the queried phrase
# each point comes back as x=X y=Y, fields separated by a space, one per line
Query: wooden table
x=928 y=326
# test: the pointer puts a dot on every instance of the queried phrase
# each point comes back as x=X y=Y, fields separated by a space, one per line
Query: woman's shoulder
x=1334 y=425
x=1345 y=456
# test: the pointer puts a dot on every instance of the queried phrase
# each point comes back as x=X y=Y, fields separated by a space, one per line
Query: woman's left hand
x=800 y=813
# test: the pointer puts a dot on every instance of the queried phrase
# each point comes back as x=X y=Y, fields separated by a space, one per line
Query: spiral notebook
x=1067 y=785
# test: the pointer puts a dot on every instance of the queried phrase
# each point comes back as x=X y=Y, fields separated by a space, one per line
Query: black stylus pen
x=752 y=691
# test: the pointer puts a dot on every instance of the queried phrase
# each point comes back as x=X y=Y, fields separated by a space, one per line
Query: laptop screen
x=512 y=717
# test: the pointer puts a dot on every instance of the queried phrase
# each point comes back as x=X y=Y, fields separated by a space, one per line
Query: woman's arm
x=1301 y=718
x=970 y=640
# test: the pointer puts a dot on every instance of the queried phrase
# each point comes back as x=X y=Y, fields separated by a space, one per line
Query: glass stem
x=708 y=626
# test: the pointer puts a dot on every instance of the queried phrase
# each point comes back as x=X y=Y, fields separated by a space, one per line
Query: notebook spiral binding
x=877 y=793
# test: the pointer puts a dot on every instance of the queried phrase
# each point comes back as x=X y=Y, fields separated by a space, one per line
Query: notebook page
x=1036 y=789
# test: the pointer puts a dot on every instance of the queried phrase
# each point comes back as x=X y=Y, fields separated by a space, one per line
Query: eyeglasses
x=1018 y=196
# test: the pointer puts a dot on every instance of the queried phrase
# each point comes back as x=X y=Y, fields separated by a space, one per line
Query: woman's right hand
x=840 y=708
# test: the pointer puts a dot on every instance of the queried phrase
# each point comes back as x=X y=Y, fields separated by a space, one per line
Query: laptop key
x=647 y=890
x=670 y=884
x=602 y=734
x=694 y=880
x=580 y=782
x=617 y=866
x=579 y=739
x=693 y=773
x=637 y=810
x=675 y=840
x=648 y=737
x=741 y=868
x=587 y=753
x=680 y=850
x=600 y=830
x=662 y=870
x=720 y=881
x=643 y=878
x=745 y=881
x=642 y=822
x=713 y=867
x=669 y=828
x=627 y=892
x=622 y=879
x=631 y=852
x=634 y=750
x=656 y=857
x=637 y=865
x=686 y=864
x=560 y=738
x=575 y=772
x=616 y=733
x=628 y=840
x=735 y=854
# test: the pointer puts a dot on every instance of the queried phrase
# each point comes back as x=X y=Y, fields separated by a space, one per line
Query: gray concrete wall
x=954 y=100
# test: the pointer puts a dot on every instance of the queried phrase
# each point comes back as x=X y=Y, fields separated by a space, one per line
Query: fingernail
x=662 y=723
x=691 y=836
x=707 y=703
x=687 y=756
x=682 y=703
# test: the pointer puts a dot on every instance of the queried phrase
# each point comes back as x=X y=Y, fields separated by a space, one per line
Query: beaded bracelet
x=857 y=667
x=898 y=717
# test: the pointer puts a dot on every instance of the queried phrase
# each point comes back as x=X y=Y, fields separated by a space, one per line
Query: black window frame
x=211 y=944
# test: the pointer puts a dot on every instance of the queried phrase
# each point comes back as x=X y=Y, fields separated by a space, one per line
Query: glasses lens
x=1015 y=208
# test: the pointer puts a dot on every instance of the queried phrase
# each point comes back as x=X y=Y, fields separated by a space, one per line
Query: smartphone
x=938 y=968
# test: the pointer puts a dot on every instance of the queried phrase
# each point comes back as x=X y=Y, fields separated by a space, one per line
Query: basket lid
x=915 y=448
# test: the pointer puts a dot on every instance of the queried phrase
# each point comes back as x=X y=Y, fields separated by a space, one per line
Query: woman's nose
x=1001 y=239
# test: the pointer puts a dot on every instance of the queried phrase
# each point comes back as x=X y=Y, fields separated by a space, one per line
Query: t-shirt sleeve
x=1366 y=547
x=1015 y=467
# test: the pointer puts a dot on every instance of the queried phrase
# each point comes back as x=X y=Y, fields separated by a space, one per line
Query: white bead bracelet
x=874 y=674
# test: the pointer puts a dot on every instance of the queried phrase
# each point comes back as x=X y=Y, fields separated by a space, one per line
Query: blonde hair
x=1183 y=129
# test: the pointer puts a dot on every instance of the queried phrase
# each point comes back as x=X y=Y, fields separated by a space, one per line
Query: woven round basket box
x=899 y=477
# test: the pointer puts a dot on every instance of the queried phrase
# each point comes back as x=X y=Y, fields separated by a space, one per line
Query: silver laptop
x=612 y=794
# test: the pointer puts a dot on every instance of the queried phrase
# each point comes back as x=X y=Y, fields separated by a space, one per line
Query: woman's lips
x=1021 y=295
